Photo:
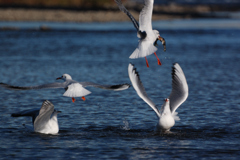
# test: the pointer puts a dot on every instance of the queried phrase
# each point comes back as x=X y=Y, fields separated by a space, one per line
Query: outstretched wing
x=29 y=112
x=50 y=85
x=123 y=9
x=138 y=86
x=44 y=115
x=145 y=18
x=117 y=87
x=179 y=88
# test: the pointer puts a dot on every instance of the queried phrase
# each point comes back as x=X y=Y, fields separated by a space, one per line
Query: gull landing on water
x=44 y=119
x=179 y=94
x=72 y=88
x=148 y=37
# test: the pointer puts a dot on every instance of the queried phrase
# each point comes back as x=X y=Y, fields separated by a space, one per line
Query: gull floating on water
x=44 y=119
x=148 y=37
x=72 y=87
x=179 y=94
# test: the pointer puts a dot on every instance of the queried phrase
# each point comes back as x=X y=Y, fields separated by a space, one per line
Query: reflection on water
x=120 y=125
x=114 y=26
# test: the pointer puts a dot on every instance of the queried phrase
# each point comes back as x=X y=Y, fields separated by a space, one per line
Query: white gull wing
x=124 y=10
x=117 y=87
x=44 y=116
x=43 y=86
x=29 y=112
x=76 y=90
x=144 y=49
x=179 y=88
x=145 y=17
x=138 y=86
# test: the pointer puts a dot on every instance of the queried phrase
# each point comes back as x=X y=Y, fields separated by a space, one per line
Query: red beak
x=59 y=78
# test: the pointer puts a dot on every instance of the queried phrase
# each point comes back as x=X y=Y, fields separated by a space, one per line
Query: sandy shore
x=69 y=16
x=60 y=15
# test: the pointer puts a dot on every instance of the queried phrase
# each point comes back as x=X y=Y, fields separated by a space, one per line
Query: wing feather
x=29 y=112
x=44 y=116
x=117 y=87
x=179 y=88
x=145 y=17
x=44 y=86
x=124 y=10
x=138 y=86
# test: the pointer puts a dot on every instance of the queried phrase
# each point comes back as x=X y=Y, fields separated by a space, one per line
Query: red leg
x=73 y=99
x=159 y=62
x=146 y=61
x=83 y=98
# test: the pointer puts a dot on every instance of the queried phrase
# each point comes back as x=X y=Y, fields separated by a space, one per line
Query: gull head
x=165 y=107
x=55 y=112
x=65 y=77
x=158 y=37
x=156 y=32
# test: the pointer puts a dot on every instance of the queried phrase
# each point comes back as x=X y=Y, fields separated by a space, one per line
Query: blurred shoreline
x=112 y=13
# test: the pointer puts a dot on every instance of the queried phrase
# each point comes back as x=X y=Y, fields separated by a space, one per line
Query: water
x=119 y=125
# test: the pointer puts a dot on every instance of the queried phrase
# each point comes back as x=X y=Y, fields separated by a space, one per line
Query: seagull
x=179 y=94
x=44 y=119
x=148 y=37
x=72 y=87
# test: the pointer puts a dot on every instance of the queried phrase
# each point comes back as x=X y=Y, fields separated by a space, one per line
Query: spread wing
x=179 y=88
x=29 y=112
x=145 y=18
x=138 y=86
x=117 y=87
x=123 y=9
x=43 y=86
x=44 y=115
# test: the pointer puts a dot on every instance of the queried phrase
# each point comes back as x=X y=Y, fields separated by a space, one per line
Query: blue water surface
x=119 y=125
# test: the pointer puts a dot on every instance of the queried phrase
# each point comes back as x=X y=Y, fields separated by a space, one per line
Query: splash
x=126 y=125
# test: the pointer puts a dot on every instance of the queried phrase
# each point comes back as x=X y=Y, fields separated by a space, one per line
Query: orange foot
x=83 y=98
x=147 y=62
x=73 y=99
x=159 y=62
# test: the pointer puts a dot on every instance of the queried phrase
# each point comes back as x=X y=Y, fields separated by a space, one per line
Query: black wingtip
x=15 y=115
x=120 y=85
x=13 y=87
x=174 y=69
x=136 y=72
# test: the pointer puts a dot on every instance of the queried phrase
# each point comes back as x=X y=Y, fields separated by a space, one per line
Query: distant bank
x=108 y=11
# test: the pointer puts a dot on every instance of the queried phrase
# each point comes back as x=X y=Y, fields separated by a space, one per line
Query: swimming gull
x=72 y=87
x=148 y=37
x=44 y=119
x=179 y=94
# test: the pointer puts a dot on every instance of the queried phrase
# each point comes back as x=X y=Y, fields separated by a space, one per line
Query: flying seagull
x=72 y=87
x=148 y=37
x=44 y=119
x=179 y=94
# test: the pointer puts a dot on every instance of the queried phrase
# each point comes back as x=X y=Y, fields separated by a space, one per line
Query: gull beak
x=163 y=42
x=59 y=78
x=57 y=111
x=166 y=100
